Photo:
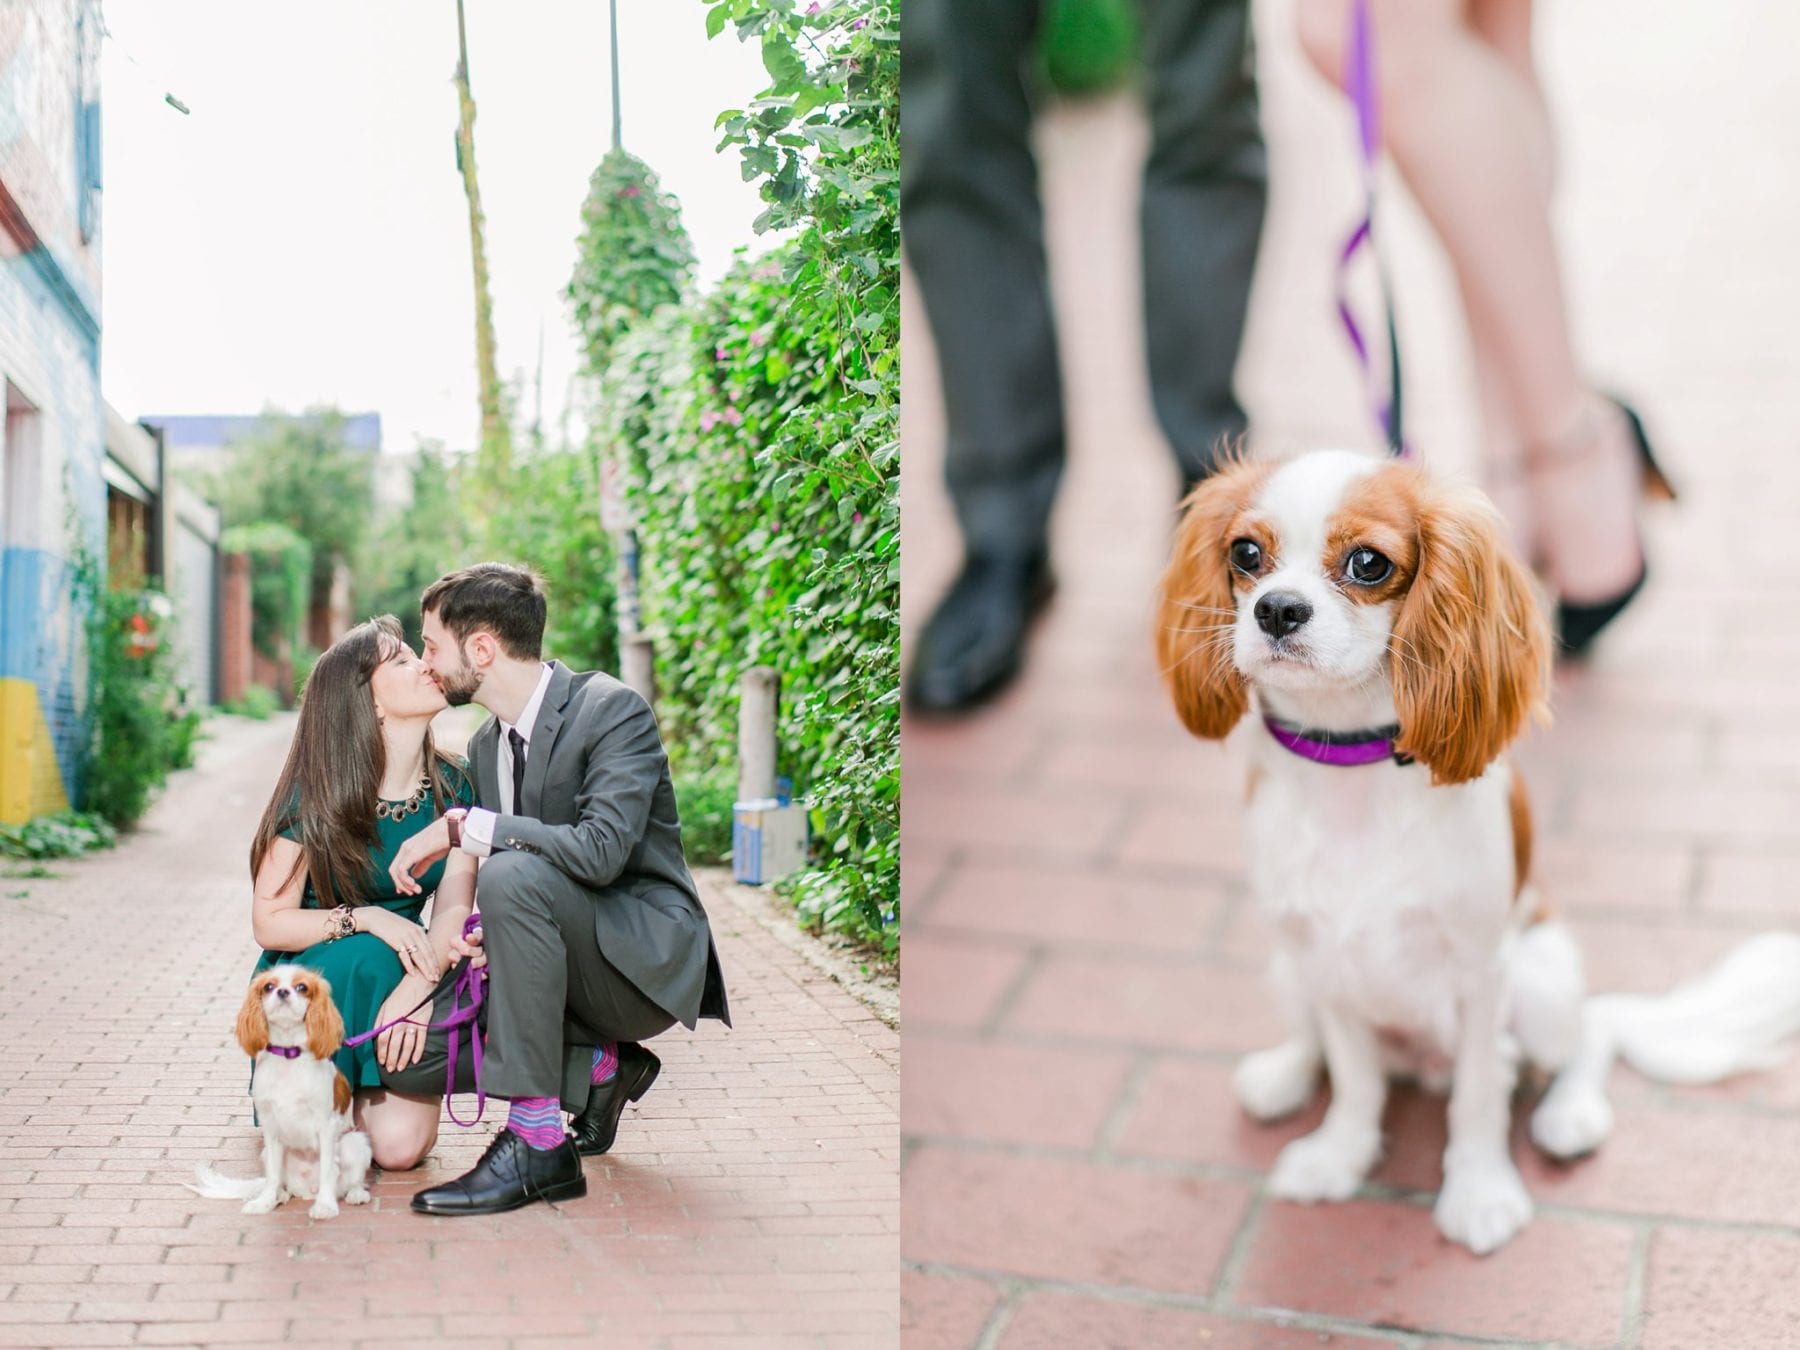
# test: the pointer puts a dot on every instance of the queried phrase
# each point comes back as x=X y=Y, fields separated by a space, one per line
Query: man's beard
x=459 y=686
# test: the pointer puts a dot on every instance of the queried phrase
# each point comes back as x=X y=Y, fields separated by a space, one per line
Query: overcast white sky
x=302 y=237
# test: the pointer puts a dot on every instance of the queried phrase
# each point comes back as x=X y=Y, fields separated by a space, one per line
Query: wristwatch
x=453 y=819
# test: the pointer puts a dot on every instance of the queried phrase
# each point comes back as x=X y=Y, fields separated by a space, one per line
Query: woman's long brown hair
x=332 y=778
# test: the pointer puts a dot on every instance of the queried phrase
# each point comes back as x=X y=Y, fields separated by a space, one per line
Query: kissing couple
x=560 y=828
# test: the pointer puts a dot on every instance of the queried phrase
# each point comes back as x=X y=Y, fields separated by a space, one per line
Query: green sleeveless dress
x=364 y=970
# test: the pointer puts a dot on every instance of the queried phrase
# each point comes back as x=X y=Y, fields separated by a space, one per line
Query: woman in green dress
x=362 y=776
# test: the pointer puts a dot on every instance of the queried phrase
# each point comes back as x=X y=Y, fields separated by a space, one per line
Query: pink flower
x=759 y=339
x=814 y=7
x=632 y=191
x=709 y=420
x=733 y=416
x=718 y=353
x=856 y=517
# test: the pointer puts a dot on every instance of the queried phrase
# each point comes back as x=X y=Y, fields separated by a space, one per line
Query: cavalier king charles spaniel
x=1392 y=648
x=290 y=1027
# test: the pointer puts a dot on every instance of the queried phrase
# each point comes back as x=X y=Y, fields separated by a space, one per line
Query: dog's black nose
x=1280 y=612
x=283 y=993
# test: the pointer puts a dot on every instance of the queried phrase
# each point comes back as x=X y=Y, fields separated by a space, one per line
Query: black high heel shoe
x=1577 y=626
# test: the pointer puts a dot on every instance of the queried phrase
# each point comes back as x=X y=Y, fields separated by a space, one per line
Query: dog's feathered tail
x=1736 y=1017
x=217 y=1186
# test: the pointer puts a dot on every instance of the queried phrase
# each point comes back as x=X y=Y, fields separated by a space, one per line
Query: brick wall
x=235 y=651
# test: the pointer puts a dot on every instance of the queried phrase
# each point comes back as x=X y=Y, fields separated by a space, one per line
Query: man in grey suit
x=592 y=929
x=974 y=235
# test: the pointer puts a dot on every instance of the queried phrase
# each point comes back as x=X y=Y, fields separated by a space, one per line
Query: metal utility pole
x=496 y=443
x=618 y=123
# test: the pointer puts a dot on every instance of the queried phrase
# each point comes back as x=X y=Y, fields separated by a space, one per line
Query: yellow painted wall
x=30 y=779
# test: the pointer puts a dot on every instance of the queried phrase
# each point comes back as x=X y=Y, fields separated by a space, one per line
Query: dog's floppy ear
x=1471 y=649
x=252 y=1024
x=1196 y=608
x=324 y=1024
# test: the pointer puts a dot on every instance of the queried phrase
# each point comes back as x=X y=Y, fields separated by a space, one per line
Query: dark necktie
x=518 y=752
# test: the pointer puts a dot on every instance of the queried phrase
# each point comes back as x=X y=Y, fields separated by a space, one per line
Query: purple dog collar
x=285 y=1051
x=1343 y=749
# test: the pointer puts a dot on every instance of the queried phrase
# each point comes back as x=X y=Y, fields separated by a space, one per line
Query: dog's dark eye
x=1247 y=556
x=299 y=989
x=269 y=988
x=1366 y=567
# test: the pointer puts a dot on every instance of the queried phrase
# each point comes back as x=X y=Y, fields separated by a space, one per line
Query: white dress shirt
x=478 y=825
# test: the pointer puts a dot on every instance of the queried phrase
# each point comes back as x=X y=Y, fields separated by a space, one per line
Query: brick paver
x=752 y=1199
x=1083 y=965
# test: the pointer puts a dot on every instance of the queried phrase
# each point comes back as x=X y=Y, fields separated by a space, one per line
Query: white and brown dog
x=1393 y=648
x=290 y=1027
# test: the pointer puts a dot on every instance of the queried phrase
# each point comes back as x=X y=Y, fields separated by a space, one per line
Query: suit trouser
x=974 y=234
x=551 y=996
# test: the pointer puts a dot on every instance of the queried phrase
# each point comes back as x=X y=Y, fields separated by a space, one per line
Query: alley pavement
x=1082 y=963
x=751 y=1200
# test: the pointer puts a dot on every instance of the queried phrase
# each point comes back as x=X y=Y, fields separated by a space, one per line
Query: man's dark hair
x=507 y=601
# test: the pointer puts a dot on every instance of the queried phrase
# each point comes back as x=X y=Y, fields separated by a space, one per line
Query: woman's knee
x=401 y=1130
x=400 y=1147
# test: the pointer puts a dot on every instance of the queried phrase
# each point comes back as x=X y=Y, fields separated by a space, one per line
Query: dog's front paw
x=1276 y=1082
x=263 y=1202
x=324 y=1208
x=1573 y=1119
x=1482 y=1206
x=1323 y=1166
x=357 y=1195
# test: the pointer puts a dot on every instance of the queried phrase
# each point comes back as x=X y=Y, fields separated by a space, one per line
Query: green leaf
x=781 y=61
x=716 y=18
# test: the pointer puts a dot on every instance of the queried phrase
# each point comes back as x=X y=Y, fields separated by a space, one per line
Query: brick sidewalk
x=1082 y=965
x=751 y=1201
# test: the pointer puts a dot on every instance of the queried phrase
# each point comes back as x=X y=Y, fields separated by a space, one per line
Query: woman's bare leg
x=1466 y=124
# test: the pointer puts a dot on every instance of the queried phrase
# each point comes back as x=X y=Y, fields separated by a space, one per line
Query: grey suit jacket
x=598 y=805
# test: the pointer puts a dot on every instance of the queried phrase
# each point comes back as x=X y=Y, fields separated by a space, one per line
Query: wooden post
x=759 y=690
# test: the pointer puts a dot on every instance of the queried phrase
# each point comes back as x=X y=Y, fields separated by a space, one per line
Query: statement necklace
x=386 y=810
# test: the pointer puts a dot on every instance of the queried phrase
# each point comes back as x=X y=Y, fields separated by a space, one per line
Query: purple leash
x=469 y=982
x=1359 y=85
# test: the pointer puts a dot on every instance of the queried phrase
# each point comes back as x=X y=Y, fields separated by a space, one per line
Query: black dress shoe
x=510 y=1174
x=974 y=643
x=598 y=1124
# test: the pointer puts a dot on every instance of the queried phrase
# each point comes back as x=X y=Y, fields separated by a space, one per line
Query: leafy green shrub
x=259 y=702
x=281 y=567
x=298 y=471
x=706 y=801
x=183 y=736
x=1088 y=46
x=68 y=834
x=550 y=520
x=137 y=731
x=304 y=660
x=634 y=255
x=409 y=549
x=762 y=428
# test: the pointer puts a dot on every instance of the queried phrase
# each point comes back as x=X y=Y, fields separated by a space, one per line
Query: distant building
x=53 y=449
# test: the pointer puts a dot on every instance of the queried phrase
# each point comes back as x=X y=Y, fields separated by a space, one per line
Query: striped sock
x=537 y=1120
x=606 y=1062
